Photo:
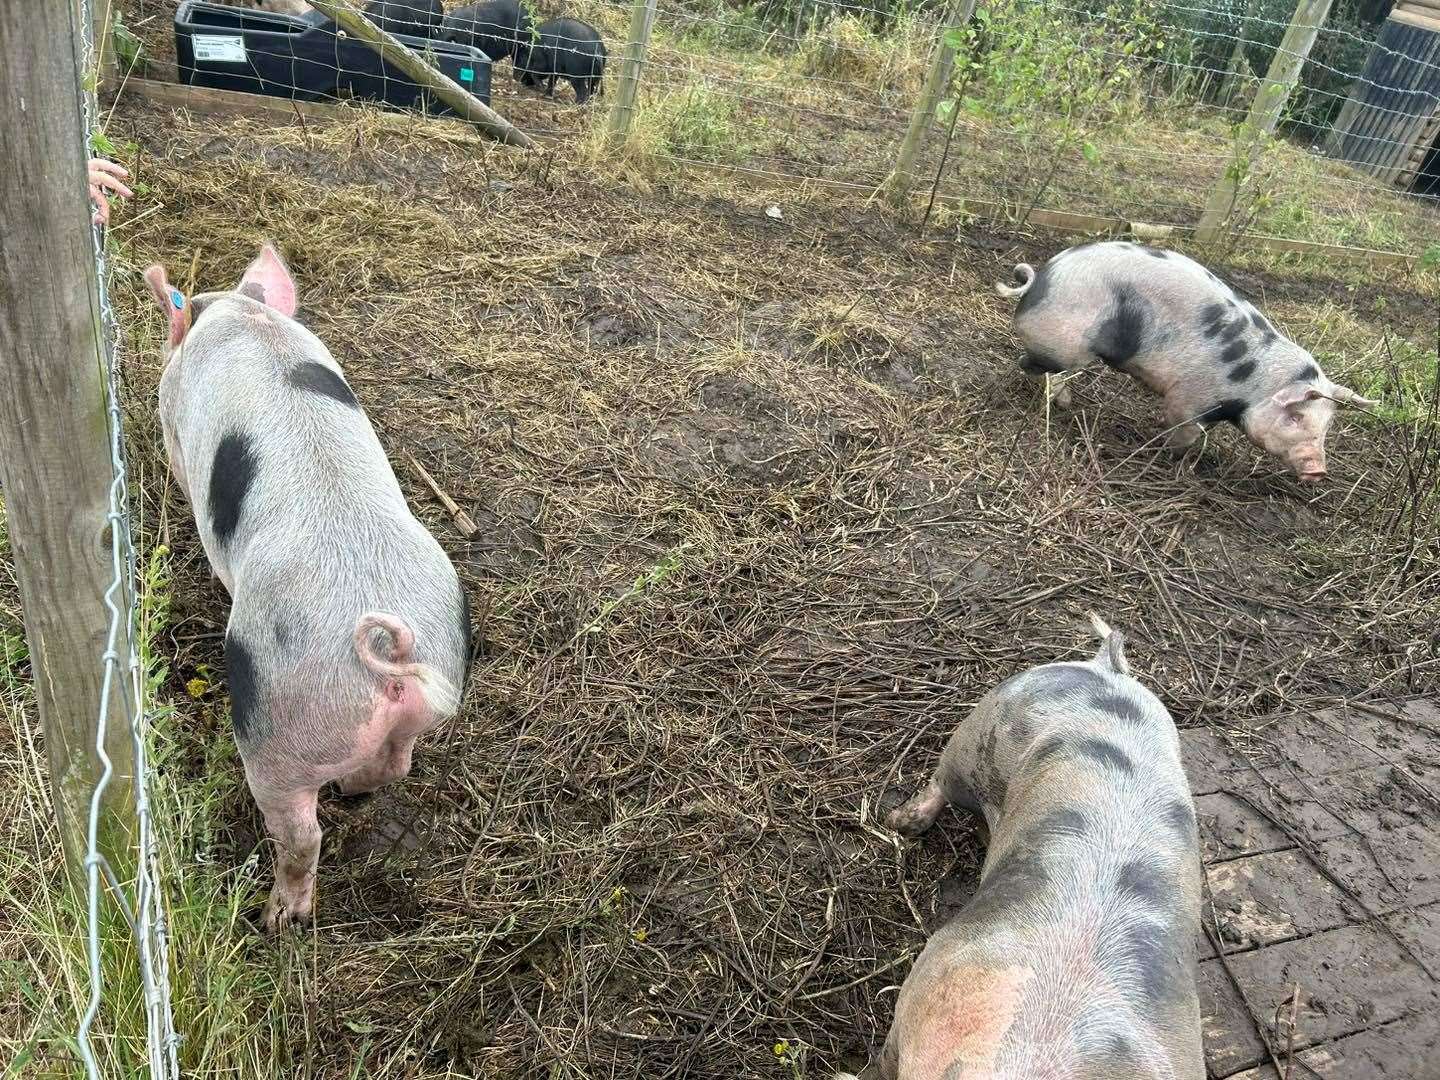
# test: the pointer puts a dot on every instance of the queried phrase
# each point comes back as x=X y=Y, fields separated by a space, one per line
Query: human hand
x=106 y=176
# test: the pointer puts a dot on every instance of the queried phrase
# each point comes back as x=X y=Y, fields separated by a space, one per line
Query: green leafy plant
x=128 y=48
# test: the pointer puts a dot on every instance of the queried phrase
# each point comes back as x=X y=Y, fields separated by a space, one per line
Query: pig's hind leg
x=950 y=785
x=293 y=824
x=391 y=763
x=920 y=812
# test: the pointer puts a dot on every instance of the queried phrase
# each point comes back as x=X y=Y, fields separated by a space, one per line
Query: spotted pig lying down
x=1075 y=957
x=1170 y=323
x=349 y=632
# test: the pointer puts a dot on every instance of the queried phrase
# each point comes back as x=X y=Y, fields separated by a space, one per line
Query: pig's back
x=275 y=441
x=1156 y=315
x=1079 y=942
x=300 y=512
x=1082 y=284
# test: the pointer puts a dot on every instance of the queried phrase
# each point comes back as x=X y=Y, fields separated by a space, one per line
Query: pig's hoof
x=281 y=913
x=917 y=815
x=907 y=822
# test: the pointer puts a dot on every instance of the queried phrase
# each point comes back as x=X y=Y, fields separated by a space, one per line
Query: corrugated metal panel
x=1395 y=98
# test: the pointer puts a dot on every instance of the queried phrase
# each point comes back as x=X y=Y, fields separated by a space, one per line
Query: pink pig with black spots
x=1170 y=323
x=349 y=632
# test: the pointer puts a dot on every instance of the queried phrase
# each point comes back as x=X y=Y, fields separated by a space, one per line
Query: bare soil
x=652 y=849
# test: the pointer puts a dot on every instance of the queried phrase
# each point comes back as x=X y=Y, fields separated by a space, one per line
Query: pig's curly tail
x=1024 y=275
x=1112 y=646
x=439 y=693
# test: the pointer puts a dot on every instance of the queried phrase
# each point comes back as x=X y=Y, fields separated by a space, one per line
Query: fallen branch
x=445 y=89
x=463 y=521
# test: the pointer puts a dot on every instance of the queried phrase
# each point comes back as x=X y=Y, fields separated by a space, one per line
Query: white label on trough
x=228 y=49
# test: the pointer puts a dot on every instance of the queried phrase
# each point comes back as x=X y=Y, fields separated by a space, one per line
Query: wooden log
x=1424 y=19
x=1265 y=112
x=622 y=113
x=212 y=102
x=55 y=465
x=445 y=89
x=463 y=521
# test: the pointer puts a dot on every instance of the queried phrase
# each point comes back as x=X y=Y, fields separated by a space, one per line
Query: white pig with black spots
x=1075 y=957
x=1167 y=321
x=349 y=632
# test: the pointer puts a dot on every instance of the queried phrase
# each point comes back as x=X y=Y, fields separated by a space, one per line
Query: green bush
x=1037 y=63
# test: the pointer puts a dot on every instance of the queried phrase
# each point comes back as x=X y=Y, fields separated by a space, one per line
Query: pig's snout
x=1308 y=465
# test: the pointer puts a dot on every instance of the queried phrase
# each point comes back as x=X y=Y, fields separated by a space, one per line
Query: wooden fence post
x=55 y=465
x=1264 y=114
x=444 y=88
x=102 y=30
x=901 y=181
x=622 y=113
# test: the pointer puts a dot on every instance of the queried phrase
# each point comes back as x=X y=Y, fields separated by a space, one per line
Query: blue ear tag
x=177 y=301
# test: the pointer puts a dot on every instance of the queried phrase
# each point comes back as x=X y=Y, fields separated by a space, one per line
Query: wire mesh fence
x=1124 y=111
x=1116 y=109
x=139 y=901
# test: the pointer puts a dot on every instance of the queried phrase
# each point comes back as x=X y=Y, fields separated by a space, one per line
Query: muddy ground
x=650 y=846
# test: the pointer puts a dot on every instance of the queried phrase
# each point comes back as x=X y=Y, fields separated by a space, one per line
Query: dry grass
x=649 y=848
x=832 y=101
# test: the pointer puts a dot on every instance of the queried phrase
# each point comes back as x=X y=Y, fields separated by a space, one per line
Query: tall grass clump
x=848 y=49
x=226 y=982
x=698 y=122
x=722 y=29
x=843 y=49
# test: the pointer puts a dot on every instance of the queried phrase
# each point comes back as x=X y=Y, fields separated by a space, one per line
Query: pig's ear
x=172 y=301
x=1350 y=397
x=1297 y=393
x=268 y=281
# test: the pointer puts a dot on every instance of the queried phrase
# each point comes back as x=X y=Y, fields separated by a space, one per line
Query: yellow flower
x=197 y=688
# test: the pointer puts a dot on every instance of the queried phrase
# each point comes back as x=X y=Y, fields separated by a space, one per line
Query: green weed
x=698 y=122
x=667 y=565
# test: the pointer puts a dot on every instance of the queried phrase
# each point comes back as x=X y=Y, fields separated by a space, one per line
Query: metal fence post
x=622 y=113
x=901 y=181
x=1264 y=113
x=55 y=457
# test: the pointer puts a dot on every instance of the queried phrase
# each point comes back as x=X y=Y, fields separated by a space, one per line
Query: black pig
x=498 y=28
x=417 y=18
x=567 y=49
